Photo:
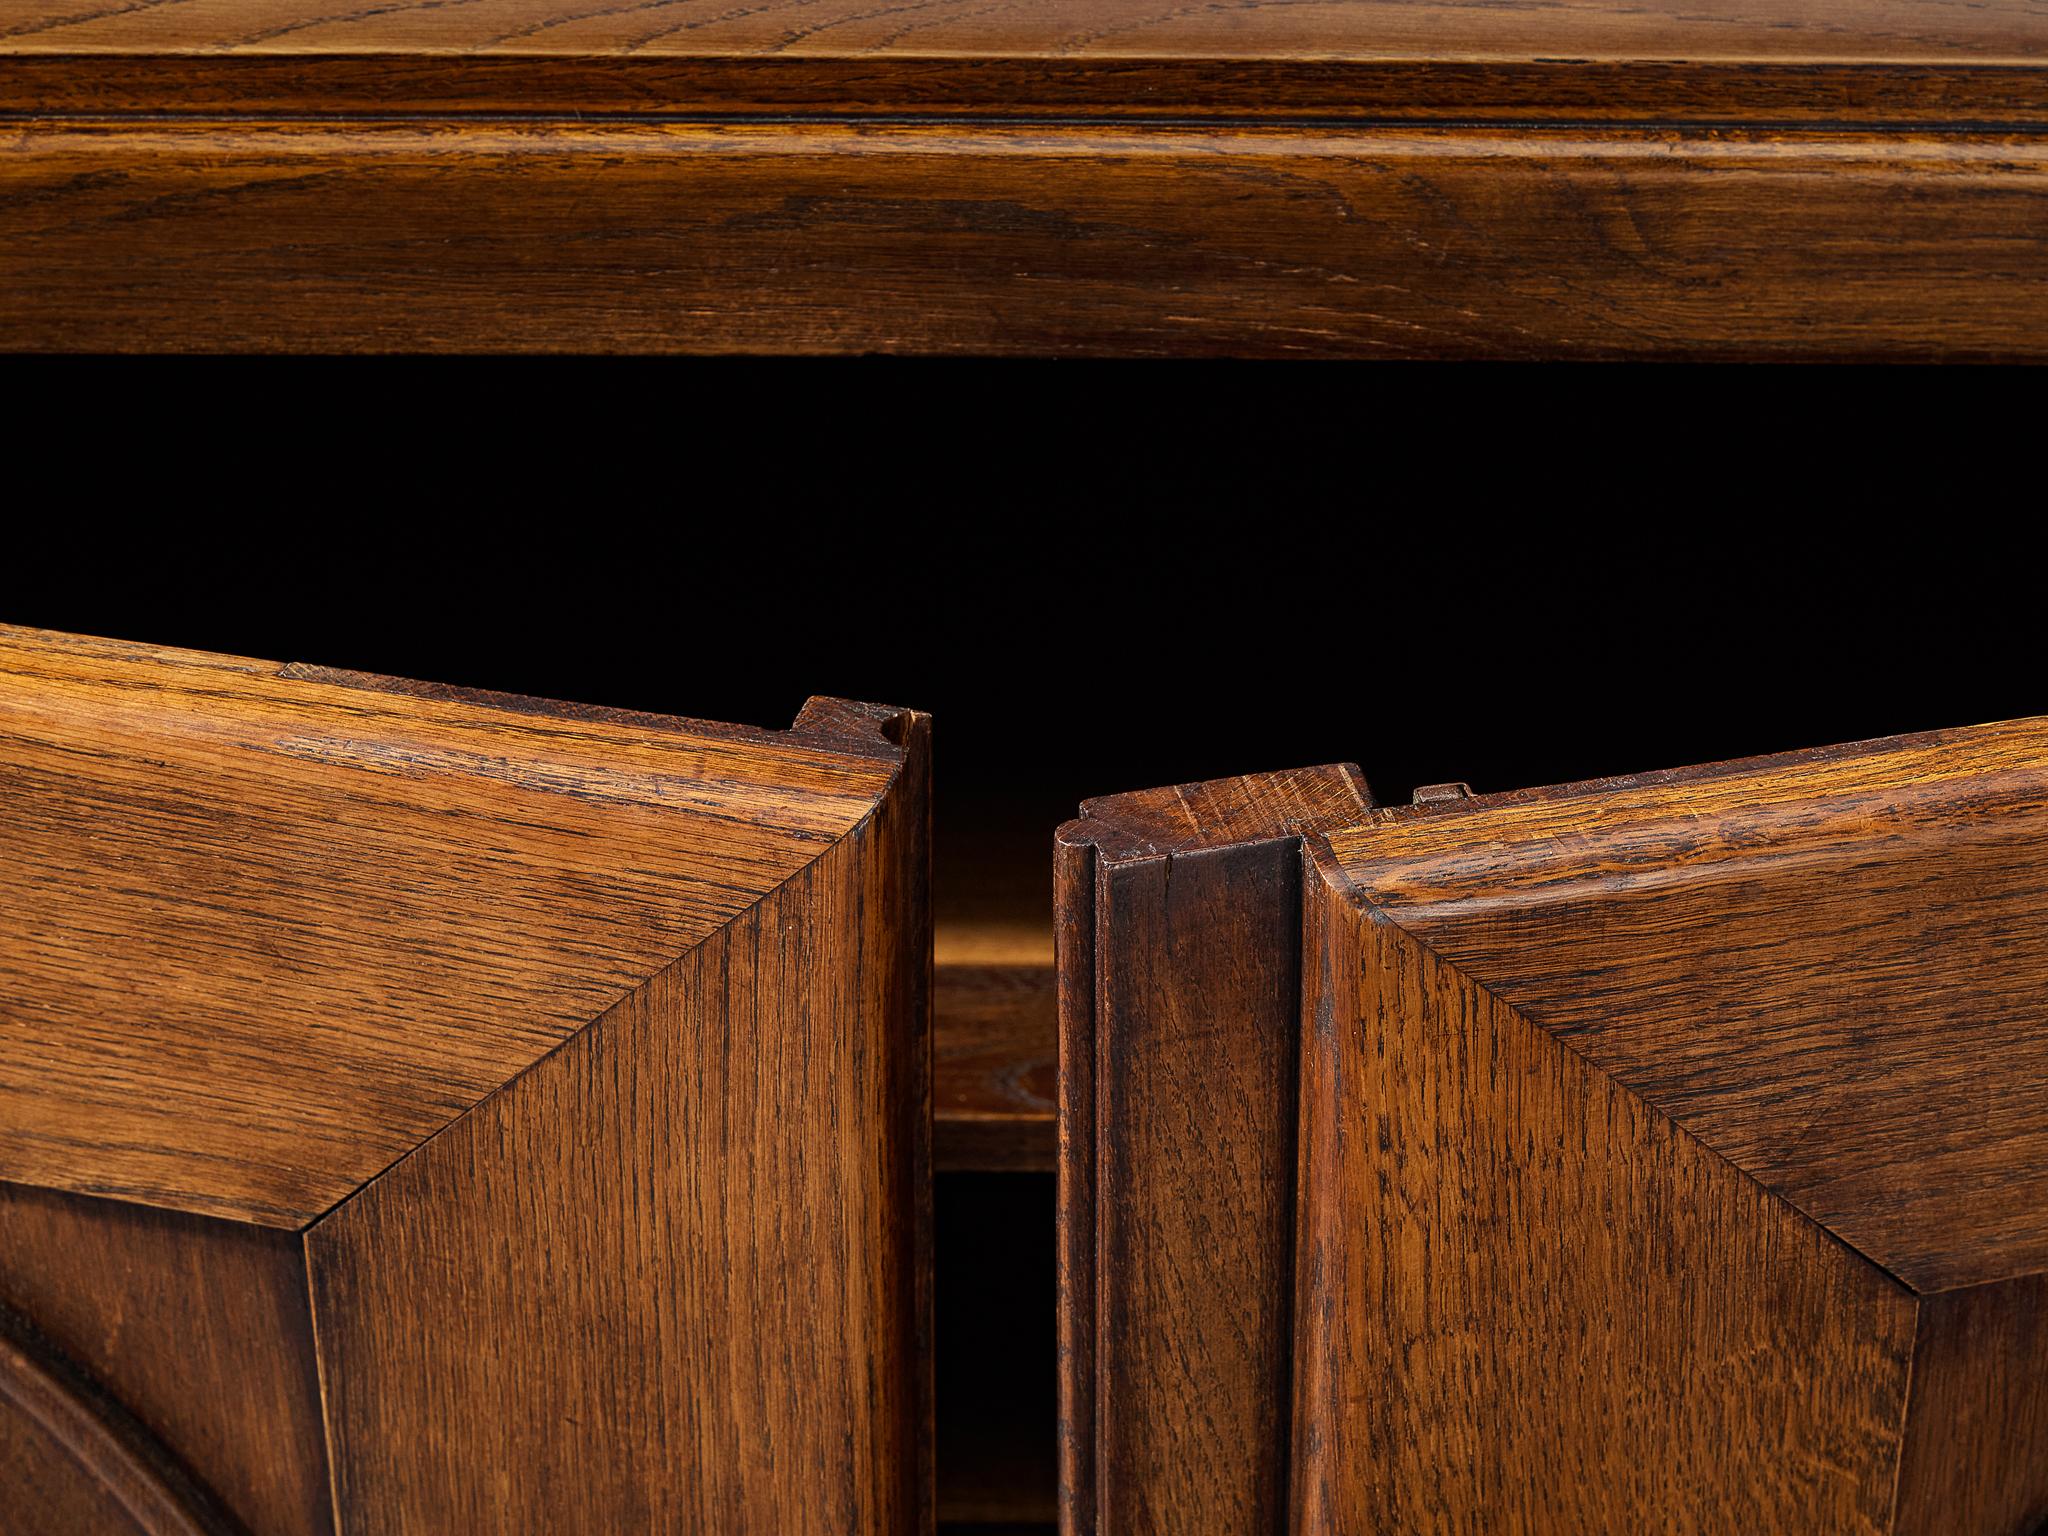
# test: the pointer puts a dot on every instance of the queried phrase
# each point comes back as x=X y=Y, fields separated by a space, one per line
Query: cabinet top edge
x=1825 y=965
x=1409 y=855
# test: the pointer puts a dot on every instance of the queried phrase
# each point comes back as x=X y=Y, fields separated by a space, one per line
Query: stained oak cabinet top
x=1484 y=179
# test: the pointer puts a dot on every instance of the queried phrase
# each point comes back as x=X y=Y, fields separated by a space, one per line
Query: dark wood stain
x=1529 y=1302
x=74 y=1460
x=1976 y=1456
x=197 y=1327
x=1897 y=59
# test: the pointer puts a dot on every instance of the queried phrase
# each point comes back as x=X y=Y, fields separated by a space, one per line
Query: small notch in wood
x=1437 y=794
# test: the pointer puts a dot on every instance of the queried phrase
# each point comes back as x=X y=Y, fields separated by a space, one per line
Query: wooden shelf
x=994 y=1006
x=996 y=1041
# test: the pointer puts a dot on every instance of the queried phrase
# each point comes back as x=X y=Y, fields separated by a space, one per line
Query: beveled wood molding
x=1884 y=62
x=427 y=1109
x=1680 y=1143
x=1344 y=178
x=88 y=1458
x=1178 y=922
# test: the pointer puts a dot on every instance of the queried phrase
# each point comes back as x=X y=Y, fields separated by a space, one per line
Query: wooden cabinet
x=427 y=1111
x=1669 y=1152
x=424 y=1110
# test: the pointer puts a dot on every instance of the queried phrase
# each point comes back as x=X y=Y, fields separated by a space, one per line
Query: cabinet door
x=1671 y=1153
x=425 y=1110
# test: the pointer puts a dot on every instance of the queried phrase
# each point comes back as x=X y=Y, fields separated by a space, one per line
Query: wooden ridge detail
x=1178 y=937
x=129 y=1476
x=1448 y=60
x=1734 y=179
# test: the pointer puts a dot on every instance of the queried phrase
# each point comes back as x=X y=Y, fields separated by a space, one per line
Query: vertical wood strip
x=1074 y=949
x=1180 y=943
x=1195 y=1189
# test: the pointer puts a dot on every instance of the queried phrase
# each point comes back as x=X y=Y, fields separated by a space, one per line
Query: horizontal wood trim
x=1850 y=59
x=1228 y=85
x=836 y=237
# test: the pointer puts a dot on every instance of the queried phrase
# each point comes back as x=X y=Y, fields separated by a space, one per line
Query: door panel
x=435 y=1110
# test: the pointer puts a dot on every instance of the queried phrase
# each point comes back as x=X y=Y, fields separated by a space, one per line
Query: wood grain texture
x=1710 y=1071
x=582 y=1057
x=995 y=1031
x=1020 y=239
x=1829 y=969
x=198 y=1328
x=1344 y=178
x=1179 y=915
x=1769 y=60
x=46 y=1489
x=1528 y=1302
x=73 y=1461
x=1980 y=1401
x=260 y=935
x=1074 y=932
x=676 y=1276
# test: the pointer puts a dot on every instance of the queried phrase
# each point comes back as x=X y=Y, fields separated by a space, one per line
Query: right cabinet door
x=1674 y=1152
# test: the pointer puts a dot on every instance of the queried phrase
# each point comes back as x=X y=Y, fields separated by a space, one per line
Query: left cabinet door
x=431 y=1111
